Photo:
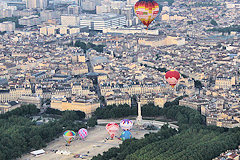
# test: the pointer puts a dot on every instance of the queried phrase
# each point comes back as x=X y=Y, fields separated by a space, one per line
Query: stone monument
x=139 y=117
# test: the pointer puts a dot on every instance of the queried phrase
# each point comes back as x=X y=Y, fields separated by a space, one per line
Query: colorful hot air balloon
x=172 y=77
x=112 y=129
x=126 y=124
x=125 y=135
x=146 y=11
x=82 y=133
x=69 y=136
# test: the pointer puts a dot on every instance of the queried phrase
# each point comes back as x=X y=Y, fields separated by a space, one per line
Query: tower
x=139 y=117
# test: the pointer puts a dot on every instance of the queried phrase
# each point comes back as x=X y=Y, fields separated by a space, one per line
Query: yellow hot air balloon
x=146 y=11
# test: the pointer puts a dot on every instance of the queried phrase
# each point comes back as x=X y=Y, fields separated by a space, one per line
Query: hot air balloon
x=172 y=77
x=126 y=124
x=82 y=133
x=125 y=135
x=69 y=136
x=112 y=129
x=146 y=11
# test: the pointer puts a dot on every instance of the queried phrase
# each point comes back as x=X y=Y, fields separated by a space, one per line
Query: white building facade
x=100 y=22
x=7 y=26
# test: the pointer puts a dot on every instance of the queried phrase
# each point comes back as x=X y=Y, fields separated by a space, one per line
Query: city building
x=163 y=41
x=6 y=13
x=24 y=100
x=5 y=107
x=130 y=31
x=86 y=104
x=70 y=20
x=63 y=30
x=225 y=82
x=74 y=9
x=7 y=26
x=30 y=21
x=14 y=94
x=167 y=17
x=100 y=22
x=46 y=15
x=194 y=103
x=89 y=5
x=41 y=4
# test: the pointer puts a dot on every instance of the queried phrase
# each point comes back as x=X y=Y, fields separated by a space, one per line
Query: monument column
x=139 y=117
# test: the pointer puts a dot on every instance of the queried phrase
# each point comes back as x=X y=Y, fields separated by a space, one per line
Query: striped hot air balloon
x=172 y=77
x=82 y=133
x=126 y=124
x=112 y=129
x=146 y=11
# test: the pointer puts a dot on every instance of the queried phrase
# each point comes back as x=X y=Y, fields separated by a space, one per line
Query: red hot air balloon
x=112 y=129
x=172 y=77
x=146 y=11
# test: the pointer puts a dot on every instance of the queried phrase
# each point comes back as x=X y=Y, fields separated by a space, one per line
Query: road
x=94 y=79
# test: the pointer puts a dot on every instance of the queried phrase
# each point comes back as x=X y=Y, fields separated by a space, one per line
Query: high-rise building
x=74 y=9
x=128 y=12
x=46 y=15
x=103 y=9
x=31 y=3
x=7 y=26
x=89 y=5
x=36 y=4
x=5 y=13
x=42 y=4
x=70 y=20
x=99 y=22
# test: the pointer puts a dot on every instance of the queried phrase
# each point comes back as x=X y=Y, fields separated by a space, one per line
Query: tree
x=81 y=115
x=92 y=122
x=213 y=22
x=198 y=85
x=19 y=135
x=81 y=45
x=69 y=116
x=53 y=111
x=189 y=22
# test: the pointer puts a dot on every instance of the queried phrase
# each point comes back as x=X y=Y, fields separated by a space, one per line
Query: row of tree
x=75 y=115
x=194 y=143
x=170 y=2
x=233 y=28
x=171 y=110
x=85 y=47
x=161 y=69
x=198 y=142
x=20 y=135
x=115 y=111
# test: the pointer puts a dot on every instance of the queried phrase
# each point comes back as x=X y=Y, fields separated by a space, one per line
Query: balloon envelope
x=126 y=124
x=112 y=129
x=69 y=136
x=172 y=77
x=82 y=133
x=125 y=135
x=146 y=11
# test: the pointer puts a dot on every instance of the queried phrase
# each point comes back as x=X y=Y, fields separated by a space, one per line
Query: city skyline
x=91 y=55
